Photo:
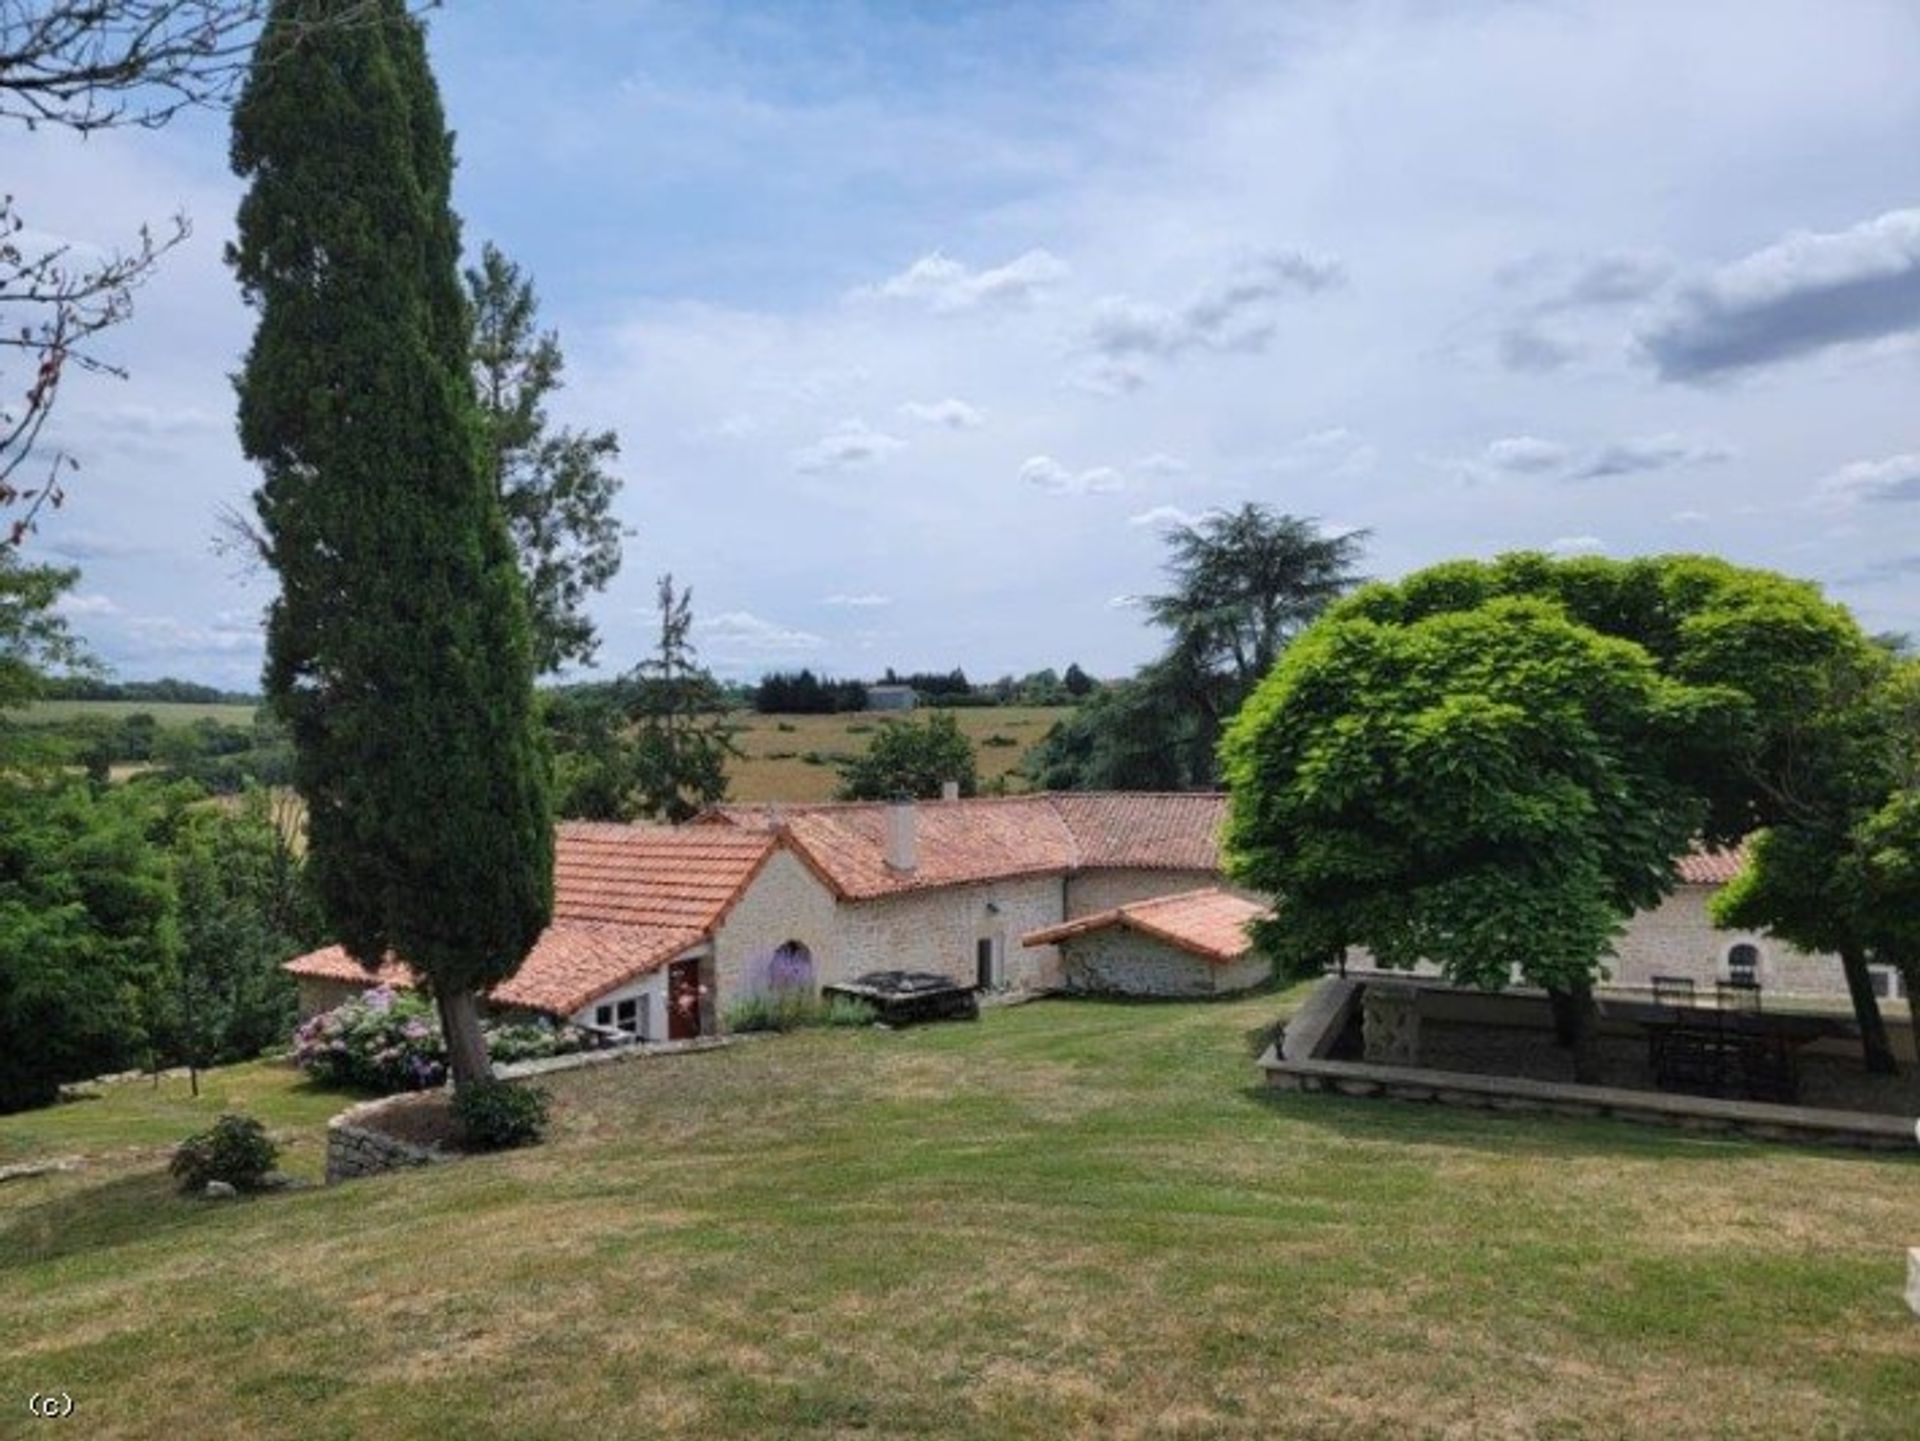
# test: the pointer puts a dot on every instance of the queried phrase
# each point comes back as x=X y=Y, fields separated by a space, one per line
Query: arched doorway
x=791 y=968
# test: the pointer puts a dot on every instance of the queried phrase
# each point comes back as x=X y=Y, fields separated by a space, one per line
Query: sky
x=920 y=324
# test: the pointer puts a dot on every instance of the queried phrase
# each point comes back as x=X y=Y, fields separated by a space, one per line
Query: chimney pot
x=903 y=851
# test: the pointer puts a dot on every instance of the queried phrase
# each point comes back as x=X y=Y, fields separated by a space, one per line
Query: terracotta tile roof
x=1210 y=923
x=1710 y=868
x=627 y=899
x=672 y=876
x=992 y=837
x=569 y=965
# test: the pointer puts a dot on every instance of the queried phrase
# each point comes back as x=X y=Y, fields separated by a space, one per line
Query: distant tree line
x=166 y=690
x=802 y=692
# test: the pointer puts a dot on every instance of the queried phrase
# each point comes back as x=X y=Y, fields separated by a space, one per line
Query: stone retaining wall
x=355 y=1148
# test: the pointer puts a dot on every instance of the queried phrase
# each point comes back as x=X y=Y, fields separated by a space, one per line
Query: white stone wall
x=1090 y=892
x=650 y=989
x=937 y=931
x=1678 y=938
x=316 y=994
x=785 y=902
x=1118 y=961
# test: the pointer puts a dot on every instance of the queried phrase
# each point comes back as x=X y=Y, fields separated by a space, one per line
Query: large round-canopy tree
x=398 y=649
x=1755 y=722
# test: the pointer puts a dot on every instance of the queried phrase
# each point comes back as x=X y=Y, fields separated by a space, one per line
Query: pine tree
x=398 y=648
x=682 y=737
x=554 y=484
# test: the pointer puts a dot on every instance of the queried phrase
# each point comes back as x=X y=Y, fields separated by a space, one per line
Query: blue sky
x=920 y=322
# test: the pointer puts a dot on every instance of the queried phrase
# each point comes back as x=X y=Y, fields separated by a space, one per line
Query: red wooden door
x=683 y=1000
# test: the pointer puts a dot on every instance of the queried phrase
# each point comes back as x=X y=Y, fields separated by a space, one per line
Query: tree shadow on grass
x=1382 y=1119
x=130 y=1207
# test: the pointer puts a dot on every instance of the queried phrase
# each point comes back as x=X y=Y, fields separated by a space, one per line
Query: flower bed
x=387 y=1041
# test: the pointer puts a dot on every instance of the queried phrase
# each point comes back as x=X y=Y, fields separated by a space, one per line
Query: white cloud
x=858 y=602
x=1690 y=517
x=848 y=446
x=1793 y=298
x=1654 y=452
x=1895 y=479
x=1577 y=545
x=1161 y=466
x=945 y=285
x=80 y=605
x=1234 y=314
x=1167 y=515
x=738 y=635
x=1054 y=478
x=953 y=413
x=1525 y=455
x=1335 y=452
x=1123 y=602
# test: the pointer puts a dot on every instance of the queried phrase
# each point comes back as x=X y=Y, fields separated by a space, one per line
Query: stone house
x=1193 y=944
x=658 y=929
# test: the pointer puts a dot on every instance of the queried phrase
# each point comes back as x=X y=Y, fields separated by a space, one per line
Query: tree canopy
x=1757 y=718
x=555 y=484
x=398 y=649
x=1244 y=584
x=912 y=758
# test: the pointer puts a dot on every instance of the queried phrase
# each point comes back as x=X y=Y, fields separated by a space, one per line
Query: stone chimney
x=903 y=847
x=949 y=790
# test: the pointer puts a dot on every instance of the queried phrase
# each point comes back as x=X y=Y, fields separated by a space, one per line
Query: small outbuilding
x=1192 y=944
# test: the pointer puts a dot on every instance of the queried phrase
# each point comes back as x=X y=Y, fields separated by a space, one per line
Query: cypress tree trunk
x=1910 y=981
x=1874 y=1046
x=398 y=649
x=466 y=1042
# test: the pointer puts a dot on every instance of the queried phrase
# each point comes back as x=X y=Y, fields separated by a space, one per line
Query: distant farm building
x=890 y=697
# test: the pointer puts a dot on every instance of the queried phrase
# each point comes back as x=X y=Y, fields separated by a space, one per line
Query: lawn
x=790 y=758
x=1068 y=1219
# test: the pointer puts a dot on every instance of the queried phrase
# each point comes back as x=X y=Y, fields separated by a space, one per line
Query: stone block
x=1390 y=1024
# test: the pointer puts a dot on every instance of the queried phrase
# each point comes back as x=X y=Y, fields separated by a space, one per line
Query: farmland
x=790 y=758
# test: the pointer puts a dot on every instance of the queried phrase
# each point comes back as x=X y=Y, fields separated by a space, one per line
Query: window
x=603 y=1016
x=1886 y=982
x=626 y=1015
x=1743 y=964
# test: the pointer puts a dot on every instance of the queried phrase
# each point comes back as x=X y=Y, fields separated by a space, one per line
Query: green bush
x=235 y=1149
x=793 y=1009
x=498 y=1115
x=849 y=1011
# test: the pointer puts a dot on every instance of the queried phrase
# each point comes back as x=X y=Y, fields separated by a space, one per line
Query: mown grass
x=1069 y=1219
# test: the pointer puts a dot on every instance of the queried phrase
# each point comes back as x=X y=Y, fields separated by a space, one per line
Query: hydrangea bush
x=387 y=1040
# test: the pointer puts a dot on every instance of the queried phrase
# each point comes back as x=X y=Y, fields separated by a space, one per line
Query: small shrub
x=849 y=1011
x=998 y=740
x=786 y=727
x=859 y=728
x=781 y=755
x=498 y=1115
x=534 y=1040
x=235 y=1149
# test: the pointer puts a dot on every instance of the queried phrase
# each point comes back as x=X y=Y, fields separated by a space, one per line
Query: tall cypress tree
x=398 y=649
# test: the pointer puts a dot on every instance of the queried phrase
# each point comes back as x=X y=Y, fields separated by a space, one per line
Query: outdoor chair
x=1739 y=997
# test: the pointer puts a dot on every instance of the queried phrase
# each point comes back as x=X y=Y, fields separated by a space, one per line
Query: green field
x=776 y=766
x=167 y=713
x=1071 y=1219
